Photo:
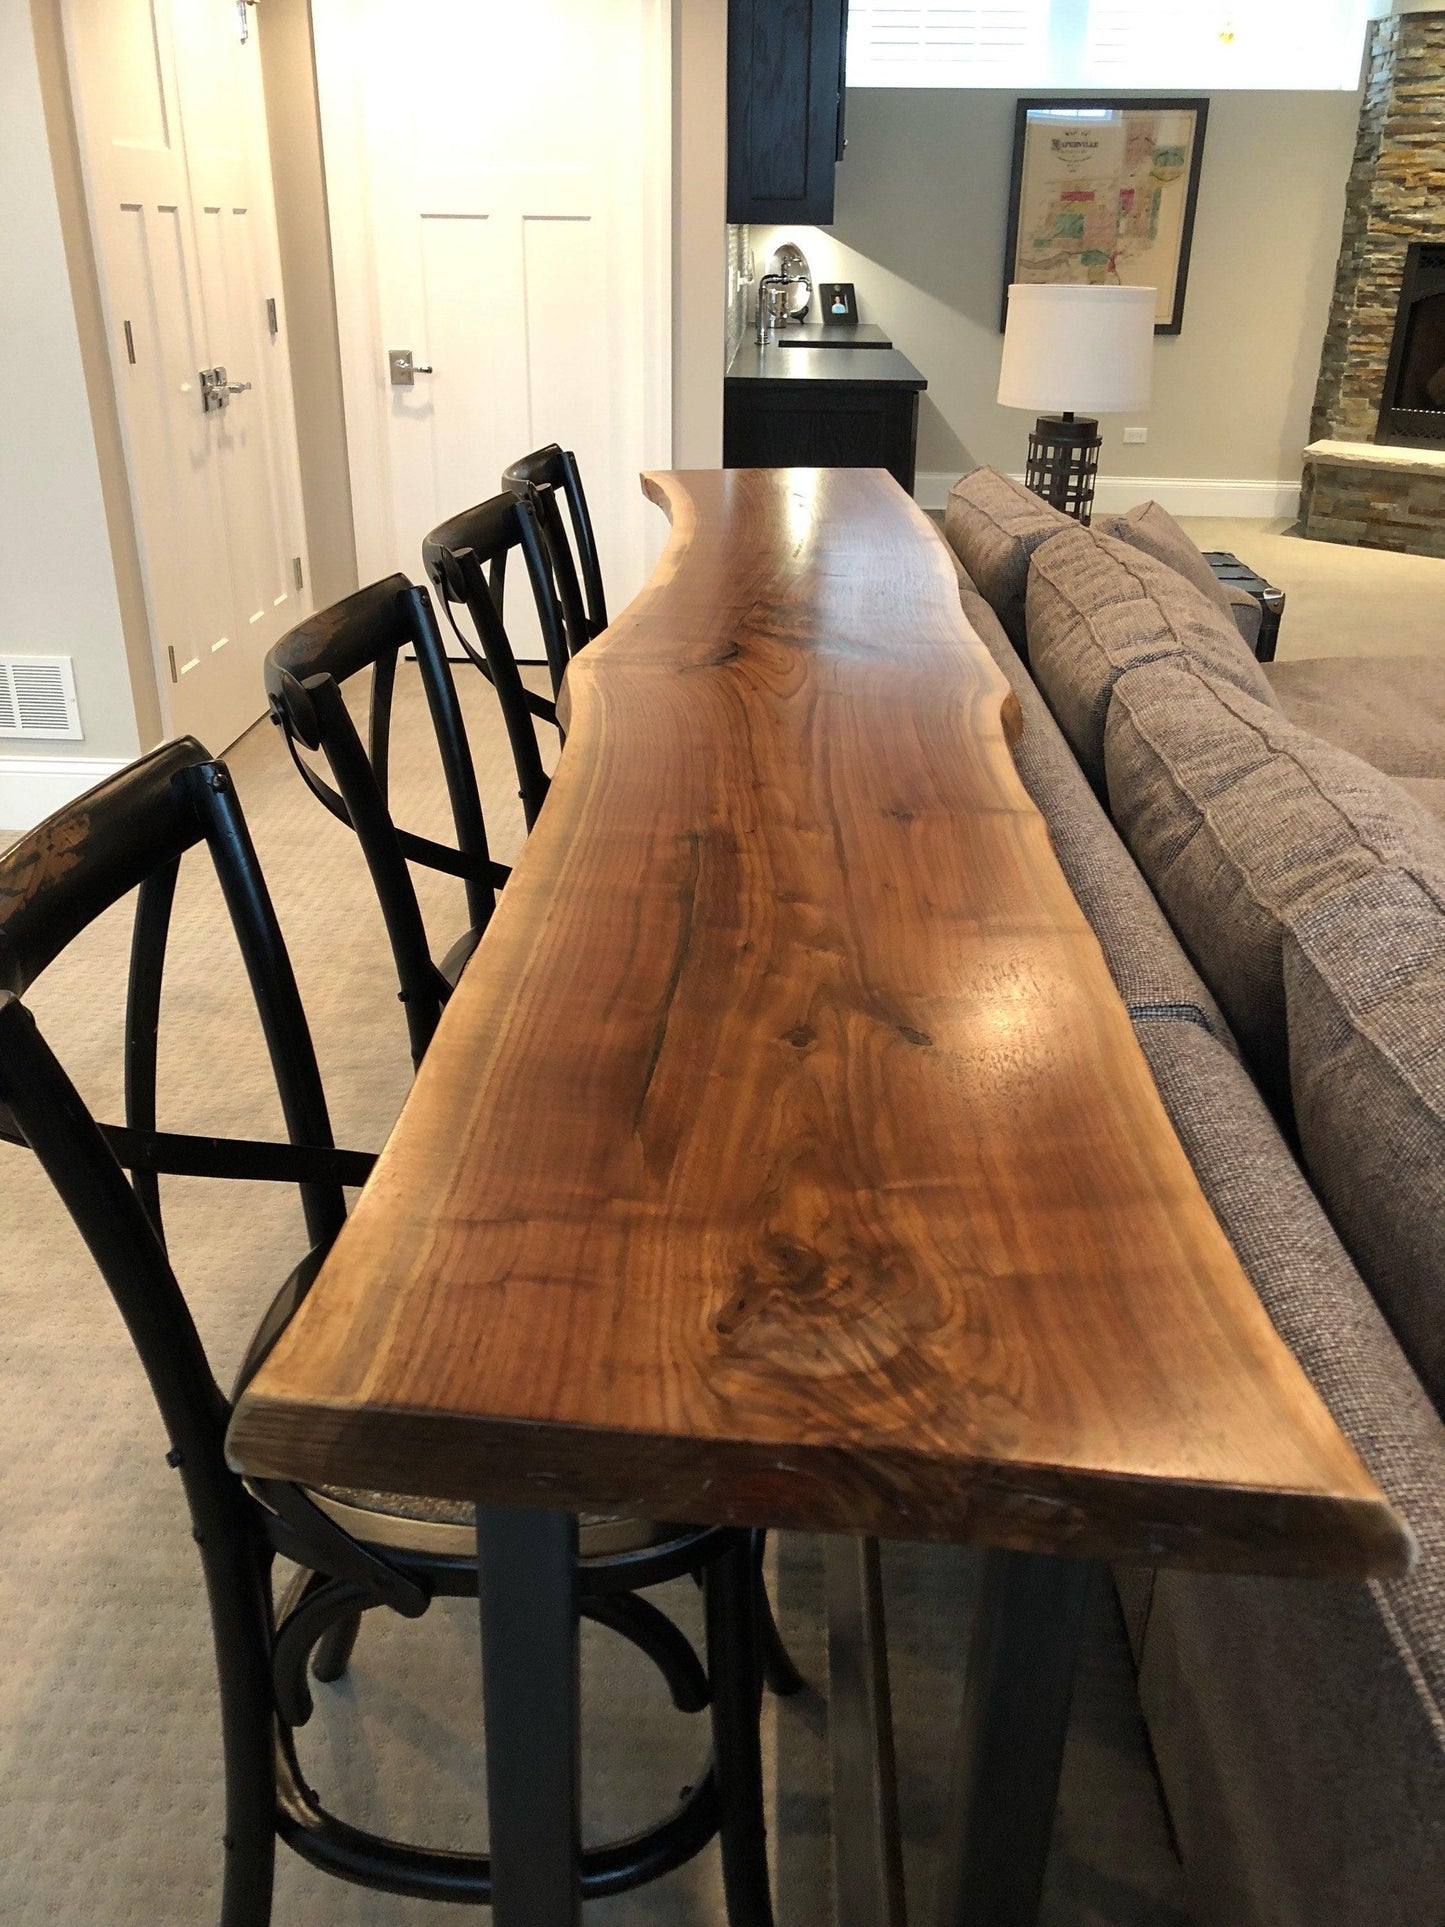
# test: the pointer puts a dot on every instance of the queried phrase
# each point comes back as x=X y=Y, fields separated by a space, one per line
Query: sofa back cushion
x=1097 y=608
x=1364 y=981
x=1242 y=823
x=1154 y=531
x=1145 y=959
x=993 y=524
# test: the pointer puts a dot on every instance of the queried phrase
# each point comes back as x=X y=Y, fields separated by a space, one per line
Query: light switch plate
x=1134 y=436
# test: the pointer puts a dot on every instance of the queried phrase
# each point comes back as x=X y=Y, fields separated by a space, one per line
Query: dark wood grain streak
x=785 y=1155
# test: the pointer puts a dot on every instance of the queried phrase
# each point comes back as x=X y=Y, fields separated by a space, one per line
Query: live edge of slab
x=785 y=1155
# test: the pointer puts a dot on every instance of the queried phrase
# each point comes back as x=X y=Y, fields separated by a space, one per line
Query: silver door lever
x=238 y=387
x=403 y=369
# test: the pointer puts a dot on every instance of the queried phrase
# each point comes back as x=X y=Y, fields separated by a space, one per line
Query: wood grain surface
x=785 y=1155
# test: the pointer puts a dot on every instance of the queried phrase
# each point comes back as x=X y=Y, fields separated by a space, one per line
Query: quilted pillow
x=1154 y=531
x=993 y=524
x=1097 y=608
x=1364 y=983
x=1242 y=824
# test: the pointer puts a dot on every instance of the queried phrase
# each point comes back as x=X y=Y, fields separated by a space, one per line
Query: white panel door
x=498 y=186
x=173 y=139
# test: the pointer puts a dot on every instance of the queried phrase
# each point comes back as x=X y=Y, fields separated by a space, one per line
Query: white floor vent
x=37 y=698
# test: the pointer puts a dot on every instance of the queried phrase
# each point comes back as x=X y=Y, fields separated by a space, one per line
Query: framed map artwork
x=1103 y=191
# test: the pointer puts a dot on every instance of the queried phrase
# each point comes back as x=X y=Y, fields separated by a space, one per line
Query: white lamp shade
x=1081 y=349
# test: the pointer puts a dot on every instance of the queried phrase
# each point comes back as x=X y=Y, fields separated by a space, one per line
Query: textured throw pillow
x=1150 y=970
x=1364 y=979
x=1242 y=823
x=993 y=524
x=1154 y=531
x=1098 y=608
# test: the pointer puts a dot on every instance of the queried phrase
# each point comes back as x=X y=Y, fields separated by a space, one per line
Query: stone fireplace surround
x=1355 y=490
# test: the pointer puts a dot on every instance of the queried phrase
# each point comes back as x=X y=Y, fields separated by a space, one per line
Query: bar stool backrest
x=129 y=834
x=547 y=473
x=305 y=672
x=465 y=560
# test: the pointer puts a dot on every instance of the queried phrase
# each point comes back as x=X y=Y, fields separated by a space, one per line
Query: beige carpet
x=109 y=1762
x=1341 y=601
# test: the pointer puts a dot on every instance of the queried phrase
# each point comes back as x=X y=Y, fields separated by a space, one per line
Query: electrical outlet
x=1134 y=436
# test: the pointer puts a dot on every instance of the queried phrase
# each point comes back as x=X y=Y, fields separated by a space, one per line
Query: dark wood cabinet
x=785 y=108
x=821 y=408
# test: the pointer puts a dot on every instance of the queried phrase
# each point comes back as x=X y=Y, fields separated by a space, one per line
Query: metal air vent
x=37 y=698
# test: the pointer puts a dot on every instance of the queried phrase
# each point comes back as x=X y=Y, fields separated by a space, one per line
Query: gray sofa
x=1255 y=849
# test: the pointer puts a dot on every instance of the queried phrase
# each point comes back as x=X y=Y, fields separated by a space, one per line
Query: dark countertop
x=834 y=334
x=860 y=367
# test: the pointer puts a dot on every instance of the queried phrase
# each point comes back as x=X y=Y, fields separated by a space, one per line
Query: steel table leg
x=527 y=1589
x=1016 y=1697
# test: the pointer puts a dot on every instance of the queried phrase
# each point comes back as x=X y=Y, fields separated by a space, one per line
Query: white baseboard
x=33 y=787
x=1180 y=494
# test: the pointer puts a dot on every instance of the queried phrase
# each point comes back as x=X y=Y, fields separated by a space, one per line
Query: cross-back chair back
x=547 y=474
x=465 y=560
x=305 y=673
x=130 y=834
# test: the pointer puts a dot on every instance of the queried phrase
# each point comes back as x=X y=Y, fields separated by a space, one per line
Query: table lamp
x=1071 y=354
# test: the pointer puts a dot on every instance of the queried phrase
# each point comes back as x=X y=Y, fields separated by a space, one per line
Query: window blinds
x=895 y=45
x=1163 y=45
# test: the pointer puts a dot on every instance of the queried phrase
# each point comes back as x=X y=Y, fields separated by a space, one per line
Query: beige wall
x=699 y=235
x=293 y=123
x=68 y=573
x=920 y=221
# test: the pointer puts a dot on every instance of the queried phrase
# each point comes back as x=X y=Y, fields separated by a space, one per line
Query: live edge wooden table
x=785 y=1158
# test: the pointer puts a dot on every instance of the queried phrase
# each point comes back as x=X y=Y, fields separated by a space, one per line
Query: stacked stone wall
x=1374 y=509
x=1396 y=195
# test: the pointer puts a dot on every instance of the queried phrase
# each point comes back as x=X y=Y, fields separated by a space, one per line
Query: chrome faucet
x=773 y=302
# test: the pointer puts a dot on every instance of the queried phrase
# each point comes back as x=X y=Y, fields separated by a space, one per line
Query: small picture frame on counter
x=837 y=302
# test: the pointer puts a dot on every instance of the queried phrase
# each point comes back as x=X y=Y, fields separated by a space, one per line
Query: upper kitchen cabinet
x=785 y=108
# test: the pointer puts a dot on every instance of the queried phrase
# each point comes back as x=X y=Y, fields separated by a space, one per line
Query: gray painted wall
x=920 y=224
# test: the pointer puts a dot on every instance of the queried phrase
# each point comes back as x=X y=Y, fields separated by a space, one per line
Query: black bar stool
x=466 y=562
x=357 y=1550
x=305 y=672
x=546 y=474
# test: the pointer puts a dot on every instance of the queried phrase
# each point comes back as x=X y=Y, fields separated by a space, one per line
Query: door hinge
x=296 y=571
x=129 y=345
x=271 y=322
x=172 y=654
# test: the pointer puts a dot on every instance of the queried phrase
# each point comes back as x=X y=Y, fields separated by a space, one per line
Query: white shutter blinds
x=1201 y=44
x=1179 y=45
x=893 y=44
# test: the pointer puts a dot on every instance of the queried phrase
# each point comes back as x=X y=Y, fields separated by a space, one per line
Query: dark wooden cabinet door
x=812 y=426
x=785 y=108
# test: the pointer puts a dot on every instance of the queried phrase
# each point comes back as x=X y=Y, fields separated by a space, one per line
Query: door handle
x=238 y=387
x=403 y=370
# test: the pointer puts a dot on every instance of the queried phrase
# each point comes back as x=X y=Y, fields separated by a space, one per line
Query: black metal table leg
x=1016 y=1697
x=527 y=1576
x=867 y=1843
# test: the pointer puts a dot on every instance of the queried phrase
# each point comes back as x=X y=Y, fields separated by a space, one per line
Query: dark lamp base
x=1064 y=462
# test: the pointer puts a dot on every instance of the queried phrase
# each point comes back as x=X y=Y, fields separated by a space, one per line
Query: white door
x=499 y=179
x=173 y=137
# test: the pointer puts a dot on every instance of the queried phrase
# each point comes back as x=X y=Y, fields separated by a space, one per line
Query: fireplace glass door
x=1412 y=411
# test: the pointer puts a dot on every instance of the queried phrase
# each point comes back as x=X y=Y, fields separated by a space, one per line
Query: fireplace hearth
x=1374 y=473
x=1412 y=408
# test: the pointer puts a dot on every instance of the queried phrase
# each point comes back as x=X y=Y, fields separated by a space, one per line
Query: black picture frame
x=1196 y=104
x=828 y=293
